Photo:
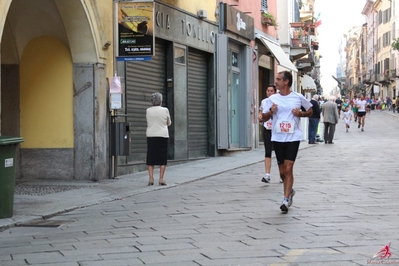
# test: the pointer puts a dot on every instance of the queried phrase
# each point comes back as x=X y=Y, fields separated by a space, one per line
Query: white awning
x=308 y=83
x=278 y=53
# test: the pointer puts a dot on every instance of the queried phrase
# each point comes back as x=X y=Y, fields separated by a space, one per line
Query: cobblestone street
x=345 y=210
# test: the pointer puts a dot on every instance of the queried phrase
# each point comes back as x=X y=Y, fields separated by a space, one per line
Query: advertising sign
x=135 y=32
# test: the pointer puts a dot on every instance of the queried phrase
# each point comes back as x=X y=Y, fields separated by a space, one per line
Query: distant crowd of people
x=389 y=103
x=351 y=109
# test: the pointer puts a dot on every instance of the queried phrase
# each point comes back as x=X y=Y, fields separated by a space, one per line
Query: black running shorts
x=286 y=151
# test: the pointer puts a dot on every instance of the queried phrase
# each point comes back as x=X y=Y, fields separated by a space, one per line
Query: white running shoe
x=266 y=178
x=281 y=181
x=284 y=205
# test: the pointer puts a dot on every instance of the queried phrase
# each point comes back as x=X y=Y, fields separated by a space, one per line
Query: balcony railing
x=300 y=41
x=381 y=77
x=310 y=28
x=390 y=74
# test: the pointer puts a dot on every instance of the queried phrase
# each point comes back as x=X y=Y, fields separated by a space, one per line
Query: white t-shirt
x=347 y=115
x=362 y=105
x=284 y=115
x=268 y=124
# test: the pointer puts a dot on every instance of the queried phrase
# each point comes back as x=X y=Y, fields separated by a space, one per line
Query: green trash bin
x=8 y=146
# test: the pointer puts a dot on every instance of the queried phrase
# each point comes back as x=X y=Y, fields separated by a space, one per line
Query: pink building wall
x=254 y=9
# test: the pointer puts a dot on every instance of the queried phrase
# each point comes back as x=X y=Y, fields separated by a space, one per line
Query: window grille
x=264 y=5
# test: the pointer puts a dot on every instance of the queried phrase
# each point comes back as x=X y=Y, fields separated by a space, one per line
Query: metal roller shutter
x=197 y=104
x=142 y=79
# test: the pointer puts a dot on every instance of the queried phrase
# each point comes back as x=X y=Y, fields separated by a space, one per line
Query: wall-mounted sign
x=135 y=29
x=115 y=101
x=134 y=58
x=265 y=61
x=8 y=162
x=239 y=22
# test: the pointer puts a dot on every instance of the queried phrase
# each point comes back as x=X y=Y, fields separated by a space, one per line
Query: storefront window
x=234 y=59
x=180 y=55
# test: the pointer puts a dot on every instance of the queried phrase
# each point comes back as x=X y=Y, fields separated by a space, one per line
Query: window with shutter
x=386 y=63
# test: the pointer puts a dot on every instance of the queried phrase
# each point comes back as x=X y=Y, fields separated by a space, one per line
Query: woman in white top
x=267 y=134
x=158 y=120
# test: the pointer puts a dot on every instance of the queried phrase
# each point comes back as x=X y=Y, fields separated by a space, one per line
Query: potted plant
x=395 y=44
x=296 y=37
x=298 y=33
x=269 y=20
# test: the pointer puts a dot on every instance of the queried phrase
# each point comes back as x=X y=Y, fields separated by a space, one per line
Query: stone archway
x=76 y=24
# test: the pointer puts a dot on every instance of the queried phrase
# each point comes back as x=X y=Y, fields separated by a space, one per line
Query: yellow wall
x=193 y=6
x=46 y=94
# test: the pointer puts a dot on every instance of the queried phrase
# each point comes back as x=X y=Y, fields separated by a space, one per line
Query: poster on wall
x=135 y=30
x=115 y=85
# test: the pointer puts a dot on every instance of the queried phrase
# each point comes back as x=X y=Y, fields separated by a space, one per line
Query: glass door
x=234 y=110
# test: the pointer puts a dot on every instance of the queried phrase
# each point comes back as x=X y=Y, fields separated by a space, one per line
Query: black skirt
x=157 y=151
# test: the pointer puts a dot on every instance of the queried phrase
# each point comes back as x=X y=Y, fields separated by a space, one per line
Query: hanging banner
x=135 y=32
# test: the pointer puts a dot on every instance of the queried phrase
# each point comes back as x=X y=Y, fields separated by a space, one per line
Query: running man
x=361 y=113
x=285 y=108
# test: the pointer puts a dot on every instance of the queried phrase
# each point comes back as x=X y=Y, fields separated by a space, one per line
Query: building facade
x=183 y=71
x=212 y=63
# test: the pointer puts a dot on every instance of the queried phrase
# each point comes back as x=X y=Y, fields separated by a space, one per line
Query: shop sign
x=174 y=25
x=239 y=22
x=265 y=61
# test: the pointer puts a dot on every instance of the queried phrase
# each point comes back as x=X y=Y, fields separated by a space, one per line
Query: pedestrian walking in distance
x=158 y=120
x=267 y=134
x=330 y=118
x=314 y=120
x=285 y=109
x=338 y=102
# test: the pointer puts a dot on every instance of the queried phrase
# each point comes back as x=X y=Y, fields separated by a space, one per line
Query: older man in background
x=330 y=118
